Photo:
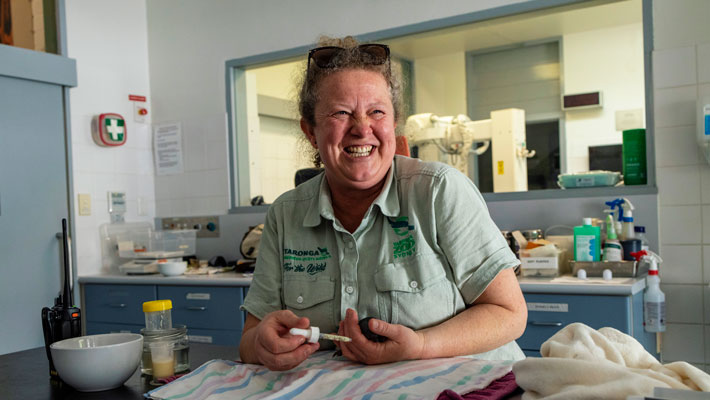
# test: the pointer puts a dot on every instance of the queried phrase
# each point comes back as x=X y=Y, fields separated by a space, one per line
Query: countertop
x=25 y=375
x=220 y=279
x=566 y=284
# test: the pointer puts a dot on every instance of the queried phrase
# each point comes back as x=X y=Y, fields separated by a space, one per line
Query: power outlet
x=207 y=227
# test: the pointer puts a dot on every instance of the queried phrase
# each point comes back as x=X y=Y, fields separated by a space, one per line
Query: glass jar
x=158 y=315
x=181 y=347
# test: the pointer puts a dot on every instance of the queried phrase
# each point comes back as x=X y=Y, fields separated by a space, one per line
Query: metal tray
x=596 y=268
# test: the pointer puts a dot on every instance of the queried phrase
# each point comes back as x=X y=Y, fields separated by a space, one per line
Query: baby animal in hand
x=365 y=328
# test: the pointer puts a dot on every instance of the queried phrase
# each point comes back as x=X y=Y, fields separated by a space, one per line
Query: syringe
x=313 y=335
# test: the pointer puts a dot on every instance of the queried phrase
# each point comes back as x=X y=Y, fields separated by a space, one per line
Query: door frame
x=60 y=70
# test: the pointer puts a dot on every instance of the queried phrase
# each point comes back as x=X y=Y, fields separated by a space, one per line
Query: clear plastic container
x=158 y=315
x=588 y=179
x=148 y=243
x=181 y=348
x=640 y=233
x=162 y=358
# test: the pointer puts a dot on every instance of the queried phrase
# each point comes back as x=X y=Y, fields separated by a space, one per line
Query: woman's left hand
x=402 y=343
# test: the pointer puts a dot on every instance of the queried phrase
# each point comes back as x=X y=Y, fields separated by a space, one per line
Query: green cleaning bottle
x=587 y=244
x=633 y=149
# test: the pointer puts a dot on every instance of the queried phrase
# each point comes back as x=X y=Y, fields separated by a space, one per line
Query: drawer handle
x=197 y=308
x=545 y=323
x=119 y=305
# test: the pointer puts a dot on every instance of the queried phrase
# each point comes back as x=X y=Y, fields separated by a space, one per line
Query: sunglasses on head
x=372 y=54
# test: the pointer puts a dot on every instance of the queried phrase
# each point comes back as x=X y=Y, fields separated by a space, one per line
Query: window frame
x=236 y=96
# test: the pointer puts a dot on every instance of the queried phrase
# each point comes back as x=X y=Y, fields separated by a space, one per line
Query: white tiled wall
x=202 y=188
x=110 y=66
x=681 y=73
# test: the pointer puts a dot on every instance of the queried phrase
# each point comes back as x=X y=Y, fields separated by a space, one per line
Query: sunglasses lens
x=324 y=56
x=375 y=54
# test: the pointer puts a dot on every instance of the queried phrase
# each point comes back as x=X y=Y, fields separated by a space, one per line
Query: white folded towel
x=579 y=362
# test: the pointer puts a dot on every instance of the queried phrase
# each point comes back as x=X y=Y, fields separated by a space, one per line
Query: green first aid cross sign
x=111 y=130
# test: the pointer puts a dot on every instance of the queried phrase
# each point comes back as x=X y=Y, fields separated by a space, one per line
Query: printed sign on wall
x=109 y=130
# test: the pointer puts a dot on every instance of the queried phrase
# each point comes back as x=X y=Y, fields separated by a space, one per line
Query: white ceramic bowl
x=172 y=268
x=97 y=362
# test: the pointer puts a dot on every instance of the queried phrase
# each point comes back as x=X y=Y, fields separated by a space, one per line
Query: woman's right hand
x=269 y=343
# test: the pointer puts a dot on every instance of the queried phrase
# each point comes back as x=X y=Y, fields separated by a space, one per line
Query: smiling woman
x=406 y=242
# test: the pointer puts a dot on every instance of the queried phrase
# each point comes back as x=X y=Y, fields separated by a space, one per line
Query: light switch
x=142 y=207
x=84 y=204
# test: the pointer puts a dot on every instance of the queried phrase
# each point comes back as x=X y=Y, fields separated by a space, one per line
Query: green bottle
x=587 y=241
x=633 y=149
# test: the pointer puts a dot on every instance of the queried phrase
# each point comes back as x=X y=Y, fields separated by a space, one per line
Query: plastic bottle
x=640 y=233
x=587 y=241
x=654 y=300
x=634 y=156
x=616 y=204
x=612 y=247
x=627 y=229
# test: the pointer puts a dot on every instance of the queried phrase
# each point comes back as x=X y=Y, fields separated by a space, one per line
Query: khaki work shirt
x=426 y=248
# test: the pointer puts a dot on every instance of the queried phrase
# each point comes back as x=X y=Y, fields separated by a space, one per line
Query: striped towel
x=321 y=377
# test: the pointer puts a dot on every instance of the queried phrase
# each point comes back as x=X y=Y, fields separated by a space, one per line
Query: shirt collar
x=321 y=205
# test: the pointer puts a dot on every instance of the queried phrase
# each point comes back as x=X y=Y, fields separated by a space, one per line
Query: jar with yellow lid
x=158 y=315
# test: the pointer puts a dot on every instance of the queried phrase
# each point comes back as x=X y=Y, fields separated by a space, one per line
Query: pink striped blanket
x=321 y=377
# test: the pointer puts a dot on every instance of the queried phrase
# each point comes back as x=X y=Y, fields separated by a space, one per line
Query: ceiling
x=516 y=29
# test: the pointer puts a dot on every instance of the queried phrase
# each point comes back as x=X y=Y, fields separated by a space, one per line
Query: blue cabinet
x=120 y=306
x=548 y=313
x=211 y=314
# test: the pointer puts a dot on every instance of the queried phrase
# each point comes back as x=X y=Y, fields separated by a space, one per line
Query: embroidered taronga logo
x=406 y=246
x=309 y=261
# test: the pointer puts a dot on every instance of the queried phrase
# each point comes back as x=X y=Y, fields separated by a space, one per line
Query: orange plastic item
x=402 y=147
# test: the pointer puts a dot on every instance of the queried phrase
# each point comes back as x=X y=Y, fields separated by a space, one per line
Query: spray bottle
x=627 y=228
x=654 y=300
x=616 y=204
x=612 y=247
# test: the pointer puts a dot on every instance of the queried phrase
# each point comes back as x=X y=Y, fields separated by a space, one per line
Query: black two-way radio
x=63 y=320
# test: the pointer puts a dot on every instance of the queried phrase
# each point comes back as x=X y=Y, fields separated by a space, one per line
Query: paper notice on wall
x=167 y=149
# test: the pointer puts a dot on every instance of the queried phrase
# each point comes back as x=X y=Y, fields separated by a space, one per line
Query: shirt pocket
x=416 y=292
x=311 y=297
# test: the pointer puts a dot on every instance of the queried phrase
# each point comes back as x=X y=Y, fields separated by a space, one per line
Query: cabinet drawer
x=96 y=328
x=205 y=307
x=118 y=304
x=547 y=314
x=213 y=336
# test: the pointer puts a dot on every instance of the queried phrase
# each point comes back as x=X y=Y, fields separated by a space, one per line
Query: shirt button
x=349 y=289
x=299 y=299
x=413 y=284
x=350 y=245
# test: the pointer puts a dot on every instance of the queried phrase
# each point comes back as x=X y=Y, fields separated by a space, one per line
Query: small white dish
x=172 y=268
x=97 y=362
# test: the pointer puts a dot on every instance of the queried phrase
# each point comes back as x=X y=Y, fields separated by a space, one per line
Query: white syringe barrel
x=312 y=333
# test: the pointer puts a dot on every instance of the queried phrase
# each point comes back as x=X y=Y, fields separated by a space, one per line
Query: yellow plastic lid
x=157 y=305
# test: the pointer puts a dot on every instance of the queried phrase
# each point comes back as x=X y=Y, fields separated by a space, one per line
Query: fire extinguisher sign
x=109 y=130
